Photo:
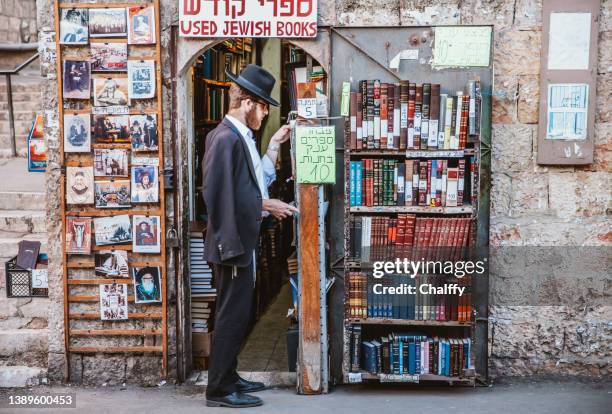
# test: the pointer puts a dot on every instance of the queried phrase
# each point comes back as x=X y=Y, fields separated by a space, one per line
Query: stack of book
x=367 y=301
x=410 y=353
x=202 y=292
x=391 y=182
x=406 y=115
x=402 y=236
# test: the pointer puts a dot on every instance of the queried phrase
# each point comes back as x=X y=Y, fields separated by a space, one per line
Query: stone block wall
x=531 y=205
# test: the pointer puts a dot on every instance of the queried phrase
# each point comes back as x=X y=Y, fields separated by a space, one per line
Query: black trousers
x=233 y=311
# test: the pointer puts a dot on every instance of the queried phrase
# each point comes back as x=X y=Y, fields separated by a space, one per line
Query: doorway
x=270 y=350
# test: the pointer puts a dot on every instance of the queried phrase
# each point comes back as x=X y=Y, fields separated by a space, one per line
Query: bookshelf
x=380 y=325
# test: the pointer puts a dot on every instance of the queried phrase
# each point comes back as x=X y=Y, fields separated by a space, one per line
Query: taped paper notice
x=462 y=46
x=406 y=54
x=568 y=44
x=354 y=377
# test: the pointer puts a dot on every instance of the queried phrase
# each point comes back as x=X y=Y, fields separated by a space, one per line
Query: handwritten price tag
x=316 y=155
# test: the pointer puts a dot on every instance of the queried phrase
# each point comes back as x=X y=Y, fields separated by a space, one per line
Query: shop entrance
x=270 y=351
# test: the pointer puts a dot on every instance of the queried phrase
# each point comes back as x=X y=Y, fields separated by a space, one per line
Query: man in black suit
x=235 y=181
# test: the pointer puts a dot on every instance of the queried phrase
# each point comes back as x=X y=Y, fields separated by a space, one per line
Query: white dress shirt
x=264 y=171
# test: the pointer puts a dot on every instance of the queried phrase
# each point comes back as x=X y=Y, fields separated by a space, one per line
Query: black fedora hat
x=255 y=80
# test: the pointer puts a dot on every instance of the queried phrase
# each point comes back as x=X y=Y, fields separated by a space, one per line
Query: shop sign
x=248 y=18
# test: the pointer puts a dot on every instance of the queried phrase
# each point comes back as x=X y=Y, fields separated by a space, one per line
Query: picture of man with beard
x=146 y=283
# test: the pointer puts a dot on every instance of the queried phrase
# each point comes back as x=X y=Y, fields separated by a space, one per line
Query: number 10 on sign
x=315 y=155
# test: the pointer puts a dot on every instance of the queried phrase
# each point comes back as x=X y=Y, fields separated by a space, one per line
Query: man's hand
x=278 y=209
x=281 y=135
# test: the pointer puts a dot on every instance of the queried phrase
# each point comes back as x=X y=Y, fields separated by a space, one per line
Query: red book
x=423 y=180
x=416 y=181
x=384 y=117
x=418 y=108
x=428 y=192
x=463 y=128
x=439 y=184
x=409 y=233
x=390 y=115
x=411 y=100
x=461 y=182
x=404 y=114
x=401 y=232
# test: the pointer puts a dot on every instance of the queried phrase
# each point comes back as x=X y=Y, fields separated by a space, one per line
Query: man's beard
x=148 y=287
x=251 y=119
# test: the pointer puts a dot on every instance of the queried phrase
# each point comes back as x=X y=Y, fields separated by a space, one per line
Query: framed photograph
x=145 y=186
x=146 y=234
x=110 y=163
x=113 y=301
x=109 y=22
x=79 y=185
x=77 y=133
x=77 y=79
x=110 y=91
x=143 y=132
x=141 y=74
x=147 y=284
x=78 y=235
x=111 y=263
x=112 y=194
x=113 y=230
x=74 y=26
x=108 y=57
x=141 y=25
x=111 y=128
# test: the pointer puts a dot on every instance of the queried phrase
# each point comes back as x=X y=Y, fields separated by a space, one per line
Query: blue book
x=447 y=355
x=358 y=183
x=352 y=183
x=411 y=357
x=369 y=356
x=417 y=356
x=401 y=359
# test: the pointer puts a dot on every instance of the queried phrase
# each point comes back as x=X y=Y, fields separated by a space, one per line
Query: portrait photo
x=111 y=263
x=109 y=22
x=79 y=185
x=141 y=25
x=77 y=79
x=112 y=194
x=112 y=230
x=147 y=284
x=77 y=133
x=74 y=26
x=146 y=234
x=109 y=129
x=141 y=74
x=108 y=57
x=110 y=91
x=145 y=188
x=113 y=301
x=110 y=162
x=143 y=132
x=78 y=235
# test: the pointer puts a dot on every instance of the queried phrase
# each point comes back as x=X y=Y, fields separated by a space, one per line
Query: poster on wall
x=110 y=162
x=110 y=129
x=141 y=74
x=112 y=230
x=111 y=91
x=112 y=194
x=113 y=301
x=78 y=235
x=146 y=235
x=74 y=26
x=147 y=284
x=567 y=111
x=37 y=147
x=77 y=133
x=107 y=22
x=248 y=18
x=141 y=25
x=108 y=57
x=79 y=185
x=145 y=188
x=77 y=79
x=111 y=263
x=143 y=132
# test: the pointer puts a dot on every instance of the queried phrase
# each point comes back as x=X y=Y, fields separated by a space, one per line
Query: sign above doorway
x=248 y=18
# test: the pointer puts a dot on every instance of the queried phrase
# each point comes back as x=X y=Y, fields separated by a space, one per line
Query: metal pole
x=9 y=99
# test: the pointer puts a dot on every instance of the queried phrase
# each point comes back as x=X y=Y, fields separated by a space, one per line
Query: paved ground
x=18 y=167
x=531 y=398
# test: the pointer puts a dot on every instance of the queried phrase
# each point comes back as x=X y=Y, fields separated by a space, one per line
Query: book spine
x=376 y=94
x=443 y=195
x=352 y=183
x=432 y=142
x=358 y=183
x=429 y=183
x=433 y=183
x=404 y=115
x=472 y=108
x=359 y=121
x=416 y=182
x=442 y=121
x=439 y=183
x=408 y=182
x=390 y=115
x=370 y=113
x=457 y=110
x=418 y=116
x=448 y=121
x=384 y=117
x=464 y=122
x=422 y=183
x=401 y=180
x=425 y=116
x=451 y=187
x=461 y=182
x=353 y=120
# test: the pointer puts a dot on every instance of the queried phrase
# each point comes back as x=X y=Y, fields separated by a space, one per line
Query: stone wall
x=530 y=205
x=18 y=21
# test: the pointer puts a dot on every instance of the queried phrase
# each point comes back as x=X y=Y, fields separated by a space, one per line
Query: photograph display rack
x=81 y=297
x=381 y=326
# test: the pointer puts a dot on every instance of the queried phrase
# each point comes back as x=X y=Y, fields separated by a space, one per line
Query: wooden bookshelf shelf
x=407 y=378
x=409 y=322
x=465 y=209
x=414 y=153
x=216 y=83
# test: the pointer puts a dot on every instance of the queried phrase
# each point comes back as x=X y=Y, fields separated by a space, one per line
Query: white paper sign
x=248 y=18
x=307 y=108
x=40 y=278
x=568 y=42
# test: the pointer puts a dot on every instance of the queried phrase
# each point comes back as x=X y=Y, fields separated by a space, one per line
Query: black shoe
x=249 y=386
x=234 y=400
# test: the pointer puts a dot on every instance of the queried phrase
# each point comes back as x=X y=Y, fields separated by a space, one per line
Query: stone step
x=22 y=200
x=22 y=221
x=27 y=347
x=22 y=376
x=9 y=245
x=35 y=309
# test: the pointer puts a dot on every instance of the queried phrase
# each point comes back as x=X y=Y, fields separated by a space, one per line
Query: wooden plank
x=309 y=354
x=94 y=298
x=409 y=322
x=465 y=209
x=115 y=332
x=96 y=315
x=89 y=264
x=115 y=349
x=64 y=5
x=92 y=212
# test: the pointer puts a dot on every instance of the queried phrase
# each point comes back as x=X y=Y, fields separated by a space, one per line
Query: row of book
x=427 y=183
x=410 y=353
x=374 y=238
x=202 y=292
x=366 y=301
x=216 y=102
x=407 y=115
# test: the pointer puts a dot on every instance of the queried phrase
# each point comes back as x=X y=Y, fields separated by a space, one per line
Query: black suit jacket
x=232 y=198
